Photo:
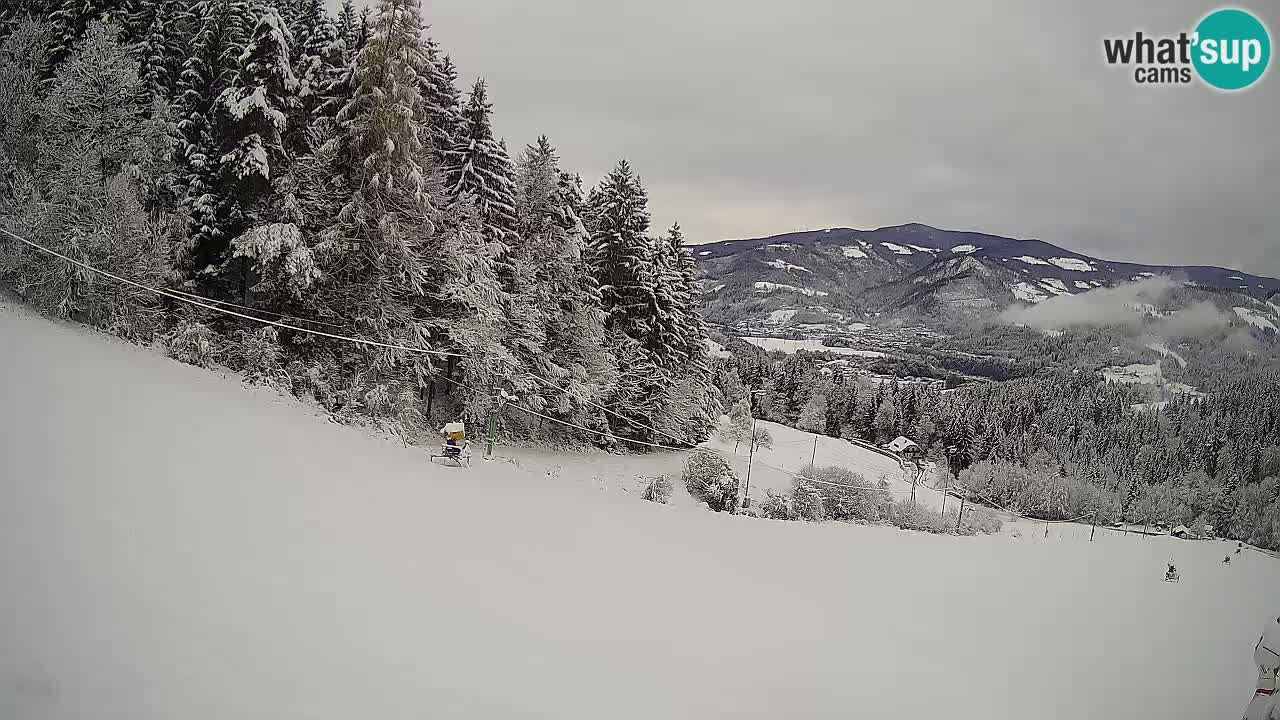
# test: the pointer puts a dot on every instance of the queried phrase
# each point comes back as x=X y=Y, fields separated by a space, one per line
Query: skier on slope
x=1265 y=704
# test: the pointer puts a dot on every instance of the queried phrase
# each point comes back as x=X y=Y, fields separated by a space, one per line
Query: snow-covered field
x=810 y=344
x=1255 y=318
x=175 y=545
x=1147 y=374
x=774 y=468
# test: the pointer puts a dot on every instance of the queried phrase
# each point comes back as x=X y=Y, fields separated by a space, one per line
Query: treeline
x=1057 y=445
x=802 y=390
x=328 y=172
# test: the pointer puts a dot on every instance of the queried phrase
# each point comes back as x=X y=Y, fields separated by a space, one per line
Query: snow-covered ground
x=811 y=344
x=768 y=287
x=175 y=545
x=1147 y=374
x=1027 y=292
x=1166 y=352
x=774 y=468
x=1255 y=318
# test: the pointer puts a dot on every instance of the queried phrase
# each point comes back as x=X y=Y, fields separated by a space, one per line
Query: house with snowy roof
x=904 y=447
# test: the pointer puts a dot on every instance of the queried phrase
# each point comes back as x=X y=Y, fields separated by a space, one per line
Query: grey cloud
x=1127 y=307
x=1202 y=318
x=750 y=117
x=1120 y=306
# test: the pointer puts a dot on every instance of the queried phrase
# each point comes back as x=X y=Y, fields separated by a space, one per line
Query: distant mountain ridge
x=915 y=270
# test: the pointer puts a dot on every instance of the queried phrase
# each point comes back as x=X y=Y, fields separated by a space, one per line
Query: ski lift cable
x=554 y=385
x=182 y=298
x=207 y=304
x=566 y=423
x=1001 y=508
x=252 y=309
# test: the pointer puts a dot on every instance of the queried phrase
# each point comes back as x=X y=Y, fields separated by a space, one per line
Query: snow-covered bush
x=910 y=516
x=257 y=353
x=979 y=520
x=311 y=380
x=847 y=495
x=776 y=506
x=195 y=344
x=709 y=478
x=657 y=489
x=807 y=503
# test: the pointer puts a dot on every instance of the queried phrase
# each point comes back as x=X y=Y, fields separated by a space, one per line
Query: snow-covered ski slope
x=174 y=545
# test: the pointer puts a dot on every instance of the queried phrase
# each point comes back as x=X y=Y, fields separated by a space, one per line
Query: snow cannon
x=1266 y=655
x=455 y=449
x=455 y=433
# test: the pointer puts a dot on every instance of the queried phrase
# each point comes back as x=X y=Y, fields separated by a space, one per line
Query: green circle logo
x=1232 y=49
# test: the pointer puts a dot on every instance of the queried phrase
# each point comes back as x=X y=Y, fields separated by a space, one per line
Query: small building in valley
x=905 y=447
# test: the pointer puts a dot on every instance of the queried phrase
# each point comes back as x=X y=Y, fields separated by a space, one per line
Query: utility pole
x=500 y=400
x=751 y=451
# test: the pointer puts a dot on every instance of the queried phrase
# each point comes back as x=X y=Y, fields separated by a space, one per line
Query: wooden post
x=944 y=499
x=961 y=515
x=1046 y=529
x=814 y=458
x=1095 y=525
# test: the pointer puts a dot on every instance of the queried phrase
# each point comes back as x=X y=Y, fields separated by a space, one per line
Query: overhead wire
x=222 y=307
x=214 y=308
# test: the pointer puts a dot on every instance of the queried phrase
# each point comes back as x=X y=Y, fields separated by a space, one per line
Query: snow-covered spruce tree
x=164 y=30
x=378 y=259
x=24 y=54
x=621 y=254
x=348 y=26
x=623 y=259
x=702 y=413
x=444 y=104
x=71 y=18
x=16 y=11
x=480 y=167
x=320 y=62
x=548 y=257
x=250 y=120
x=82 y=200
x=363 y=30
x=471 y=313
x=671 y=302
x=212 y=66
x=284 y=251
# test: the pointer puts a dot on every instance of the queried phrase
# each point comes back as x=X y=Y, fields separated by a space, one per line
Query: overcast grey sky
x=754 y=117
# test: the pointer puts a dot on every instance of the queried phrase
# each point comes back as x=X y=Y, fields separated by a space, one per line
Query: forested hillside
x=327 y=173
x=1061 y=443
